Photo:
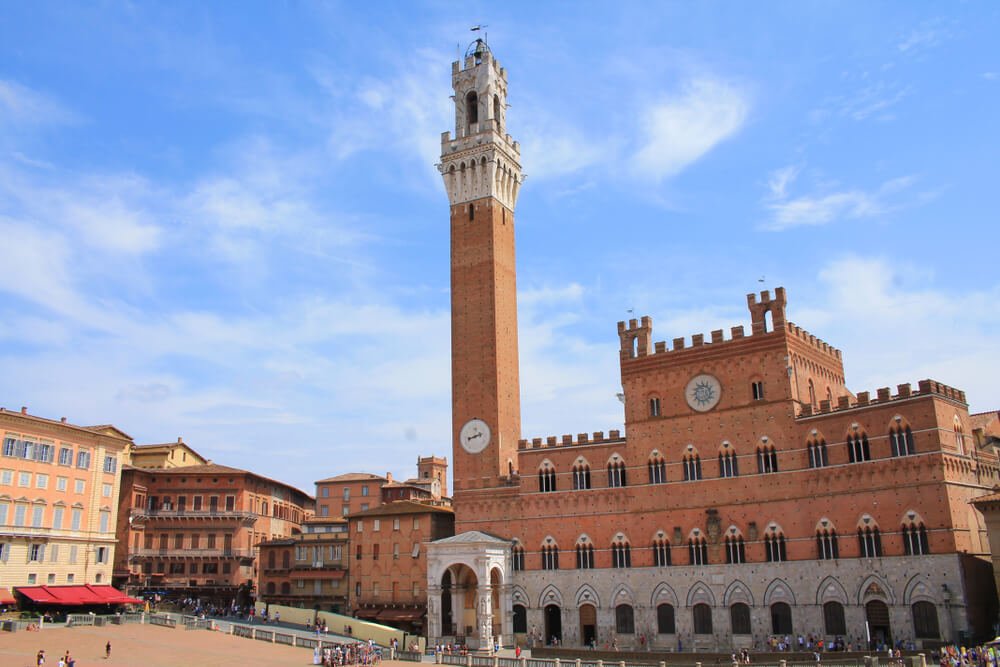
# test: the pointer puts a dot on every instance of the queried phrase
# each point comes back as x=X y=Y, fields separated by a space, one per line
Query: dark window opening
x=739 y=616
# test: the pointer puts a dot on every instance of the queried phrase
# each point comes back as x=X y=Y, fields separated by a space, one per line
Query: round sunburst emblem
x=703 y=392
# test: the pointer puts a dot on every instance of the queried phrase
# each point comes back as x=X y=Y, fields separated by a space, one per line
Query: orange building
x=193 y=531
x=359 y=491
x=307 y=570
x=751 y=495
x=389 y=560
x=350 y=492
x=58 y=500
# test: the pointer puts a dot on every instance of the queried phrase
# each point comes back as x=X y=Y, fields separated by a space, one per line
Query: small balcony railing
x=191 y=553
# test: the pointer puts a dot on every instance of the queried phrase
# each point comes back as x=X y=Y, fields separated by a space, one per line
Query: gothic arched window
x=857 y=448
x=735 y=551
x=817 y=453
x=767 y=459
x=692 y=466
x=915 y=539
x=518 y=557
x=550 y=556
x=657 y=469
x=774 y=547
x=826 y=544
x=869 y=542
x=621 y=554
x=546 y=478
x=698 y=551
x=728 y=465
x=901 y=440
x=471 y=110
x=616 y=473
x=661 y=552
x=584 y=555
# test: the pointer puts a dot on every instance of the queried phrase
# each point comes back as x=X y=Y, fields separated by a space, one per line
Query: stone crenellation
x=636 y=335
x=596 y=438
x=885 y=395
x=819 y=344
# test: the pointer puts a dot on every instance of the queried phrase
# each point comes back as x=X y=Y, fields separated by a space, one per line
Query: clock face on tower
x=474 y=436
x=703 y=392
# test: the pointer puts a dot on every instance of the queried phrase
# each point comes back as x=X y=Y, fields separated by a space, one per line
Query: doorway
x=877 y=617
x=553 y=624
x=588 y=624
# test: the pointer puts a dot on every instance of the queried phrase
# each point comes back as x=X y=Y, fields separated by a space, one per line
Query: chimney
x=24 y=410
x=388 y=476
x=62 y=419
x=180 y=440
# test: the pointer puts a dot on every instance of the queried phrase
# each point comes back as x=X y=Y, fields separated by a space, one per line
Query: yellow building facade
x=58 y=500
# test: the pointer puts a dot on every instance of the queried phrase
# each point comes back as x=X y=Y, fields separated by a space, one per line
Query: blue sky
x=222 y=221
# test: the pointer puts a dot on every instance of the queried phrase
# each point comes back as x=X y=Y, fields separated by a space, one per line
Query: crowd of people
x=356 y=653
x=451 y=649
x=984 y=655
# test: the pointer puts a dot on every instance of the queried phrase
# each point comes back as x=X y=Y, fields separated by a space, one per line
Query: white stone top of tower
x=481 y=160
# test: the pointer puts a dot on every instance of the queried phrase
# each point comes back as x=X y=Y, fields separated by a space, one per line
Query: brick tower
x=482 y=174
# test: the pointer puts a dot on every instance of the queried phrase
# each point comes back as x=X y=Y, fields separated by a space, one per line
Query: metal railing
x=192 y=514
x=204 y=553
x=161 y=619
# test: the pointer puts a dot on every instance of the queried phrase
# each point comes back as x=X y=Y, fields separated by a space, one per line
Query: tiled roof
x=403 y=507
x=58 y=422
x=213 y=469
x=353 y=477
x=988 y=498
x=472 y=537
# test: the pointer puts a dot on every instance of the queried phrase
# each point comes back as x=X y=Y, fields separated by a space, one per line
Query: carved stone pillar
x=484 y=617
x=457 y=611
x=434 y=606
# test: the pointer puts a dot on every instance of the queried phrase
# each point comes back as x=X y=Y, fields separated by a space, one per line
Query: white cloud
x=780 y=179
x=788 y=211
x=402 y=114
x=927 y=36
x=991 y=76
x=678 y=130
x=36 y=263
x=109 y=213
x=114 y=225
x=873 y=101
x=893 y=327
x=22 y=105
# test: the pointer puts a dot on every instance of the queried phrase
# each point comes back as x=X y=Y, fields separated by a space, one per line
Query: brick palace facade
x=752 y=493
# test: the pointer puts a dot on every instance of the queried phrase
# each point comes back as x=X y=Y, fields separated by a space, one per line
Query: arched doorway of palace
x=588 y=624
x=877 y=618
x=553 y=624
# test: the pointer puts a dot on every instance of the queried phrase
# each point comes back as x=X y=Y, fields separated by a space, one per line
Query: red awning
x=367 y=614
x=76 y=595
x=6 y=597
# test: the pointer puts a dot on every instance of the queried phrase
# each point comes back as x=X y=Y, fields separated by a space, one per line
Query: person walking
x=107 y=650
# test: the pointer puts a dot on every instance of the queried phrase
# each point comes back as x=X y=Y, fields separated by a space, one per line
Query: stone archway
x=469 y=590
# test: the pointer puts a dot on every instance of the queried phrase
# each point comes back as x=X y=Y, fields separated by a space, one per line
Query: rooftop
x=353 y=477
x=212 y=469
x=403 y=507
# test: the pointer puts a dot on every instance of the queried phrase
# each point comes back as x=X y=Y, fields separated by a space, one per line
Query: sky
x=223 y=221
